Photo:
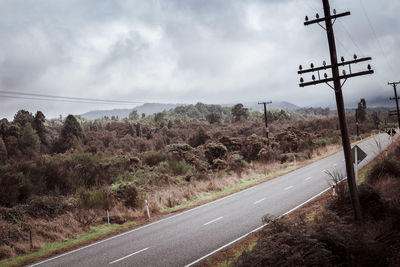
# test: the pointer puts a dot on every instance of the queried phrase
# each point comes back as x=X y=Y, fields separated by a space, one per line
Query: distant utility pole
x=265 y=117
x=337 y=87
x=394 y=84
x=357 y=126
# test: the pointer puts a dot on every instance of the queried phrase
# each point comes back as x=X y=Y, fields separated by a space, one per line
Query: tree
x=71 y=128
x=38 y=125
x=3 y=151
x=70 y=132
x=376 y=119
x=22 y=117
x=239 y=112
x=29 y=138
x=133 y=116
x=362 y=110
x=213 y=118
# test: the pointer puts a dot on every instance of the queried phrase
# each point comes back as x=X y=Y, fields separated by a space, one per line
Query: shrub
x=129 y=195
x=215 y=151
x=388 y=167
x=178 y=167
x=154 y=158
x=199 y=138
x=237 y=163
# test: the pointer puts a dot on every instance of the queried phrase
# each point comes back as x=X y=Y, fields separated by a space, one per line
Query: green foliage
x=29 y=138
x=324 y=141
x=213 y=118
x=97 y=199
x=239 y=112
x=178 y=167
x=3 y=151
x=22 y=117
x=38 y=125
x=133 y=115
x=71 y=128
x=70 y=132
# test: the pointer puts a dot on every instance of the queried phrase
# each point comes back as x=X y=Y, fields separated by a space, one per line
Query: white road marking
x=127 y=256
x=258 y=201
x=308 y=178
x=324 y=171
x=255 y=230
x=289 y=187
x=213 y=220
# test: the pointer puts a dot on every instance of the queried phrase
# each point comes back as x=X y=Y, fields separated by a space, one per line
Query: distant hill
x=147 y=108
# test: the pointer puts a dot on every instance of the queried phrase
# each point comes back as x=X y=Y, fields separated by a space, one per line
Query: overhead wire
x=61 y=100
x=342 y=24
x=375 y=36
x=54 y=97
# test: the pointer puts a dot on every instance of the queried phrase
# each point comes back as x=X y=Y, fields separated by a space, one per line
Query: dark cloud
x=212 y=51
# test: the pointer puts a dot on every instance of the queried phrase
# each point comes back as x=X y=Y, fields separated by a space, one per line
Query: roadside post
x=147 y=208
x=358 y=155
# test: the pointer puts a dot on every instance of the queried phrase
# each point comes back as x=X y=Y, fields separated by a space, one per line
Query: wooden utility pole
x=265 y=118
x=337 y=87
x=394 y=84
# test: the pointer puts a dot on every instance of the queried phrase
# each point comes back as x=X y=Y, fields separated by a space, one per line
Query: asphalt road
x=185 y=238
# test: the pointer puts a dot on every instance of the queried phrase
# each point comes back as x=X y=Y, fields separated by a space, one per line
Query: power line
x=70 y=98
x=62 y=100
x=375 y=36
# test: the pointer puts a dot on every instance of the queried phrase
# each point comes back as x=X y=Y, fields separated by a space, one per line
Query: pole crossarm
x=318 y=20
x=393 y=98
x=336 y=78
x=341 y=77
x=339 y=65
x=261 y=103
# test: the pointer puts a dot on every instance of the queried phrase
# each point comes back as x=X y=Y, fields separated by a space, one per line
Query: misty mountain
x=147 y=108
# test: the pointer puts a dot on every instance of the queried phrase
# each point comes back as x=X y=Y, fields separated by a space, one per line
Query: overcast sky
x=186 y=51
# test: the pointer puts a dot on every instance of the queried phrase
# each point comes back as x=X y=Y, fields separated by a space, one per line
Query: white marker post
x=294 y=157
x=147 y=208
x=108 y=217
x=356 y=163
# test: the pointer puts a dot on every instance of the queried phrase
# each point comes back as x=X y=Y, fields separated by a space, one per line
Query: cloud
x=212 y=51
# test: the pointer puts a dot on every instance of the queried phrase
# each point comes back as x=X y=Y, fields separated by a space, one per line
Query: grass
x=96 y=233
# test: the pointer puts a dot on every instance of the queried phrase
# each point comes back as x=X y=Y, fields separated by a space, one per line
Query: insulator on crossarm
x=306 y=18
x=342 y=59
x=312 y=65
x=334 y=12
x=369 y=67
x=300 y=67
x=344 y=72
x=355 y=56
x=301 y=79
x=324 y=63
x=325 y=75
x=313 y=77
x=317 y=15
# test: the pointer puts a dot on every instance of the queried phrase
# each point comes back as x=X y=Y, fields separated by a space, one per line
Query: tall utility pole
x=265 y=118
x=337 y=87
x=394 y=84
